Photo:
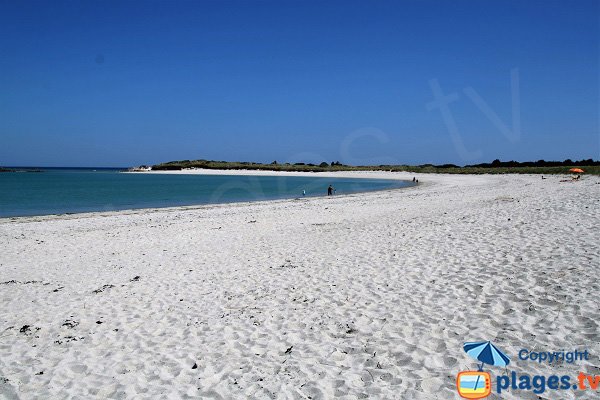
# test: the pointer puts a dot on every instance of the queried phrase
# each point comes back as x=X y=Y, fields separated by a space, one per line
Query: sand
x=361 y=296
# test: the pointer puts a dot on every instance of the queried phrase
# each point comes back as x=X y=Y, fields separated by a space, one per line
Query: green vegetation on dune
x=497 y=167
x=274 y=166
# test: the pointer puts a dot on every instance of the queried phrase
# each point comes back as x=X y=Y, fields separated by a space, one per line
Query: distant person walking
x=330 y=190
x=303 y=192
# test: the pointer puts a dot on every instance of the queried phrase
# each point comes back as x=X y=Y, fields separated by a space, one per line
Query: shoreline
x=256 y=172
x=425 y=180
x=431 y=179
x=339 y=174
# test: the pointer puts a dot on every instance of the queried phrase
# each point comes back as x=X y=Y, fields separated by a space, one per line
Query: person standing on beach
x=330 y=190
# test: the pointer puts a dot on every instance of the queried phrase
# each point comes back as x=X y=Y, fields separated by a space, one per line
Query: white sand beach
x=361 y=296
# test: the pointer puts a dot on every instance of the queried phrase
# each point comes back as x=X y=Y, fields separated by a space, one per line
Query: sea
x=46 y=191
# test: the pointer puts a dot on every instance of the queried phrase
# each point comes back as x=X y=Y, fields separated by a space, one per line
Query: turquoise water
x=60 y=191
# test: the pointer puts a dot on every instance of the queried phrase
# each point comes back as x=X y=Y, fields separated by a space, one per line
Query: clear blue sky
x=119 y=83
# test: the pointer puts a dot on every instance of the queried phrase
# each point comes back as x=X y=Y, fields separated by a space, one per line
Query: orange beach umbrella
x=576 y=170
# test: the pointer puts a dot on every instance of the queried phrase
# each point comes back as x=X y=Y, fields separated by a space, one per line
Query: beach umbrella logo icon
x=486 y=353
x=478 y=384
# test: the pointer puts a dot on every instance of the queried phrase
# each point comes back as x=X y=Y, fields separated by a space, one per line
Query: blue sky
x=119 y=83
